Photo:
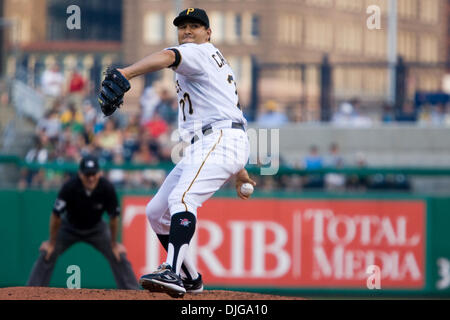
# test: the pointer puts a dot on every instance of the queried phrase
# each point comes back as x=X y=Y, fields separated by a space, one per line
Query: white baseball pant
x=206 y=166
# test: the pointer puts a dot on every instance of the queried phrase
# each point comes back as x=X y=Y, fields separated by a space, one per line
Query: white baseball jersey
x=206 y=87
x=207 y=95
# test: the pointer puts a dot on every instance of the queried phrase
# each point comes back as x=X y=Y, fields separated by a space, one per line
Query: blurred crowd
x=331 y=181
x=355 y=114
x=73 y=126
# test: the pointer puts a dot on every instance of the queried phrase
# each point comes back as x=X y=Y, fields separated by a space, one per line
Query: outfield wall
x=279 y=243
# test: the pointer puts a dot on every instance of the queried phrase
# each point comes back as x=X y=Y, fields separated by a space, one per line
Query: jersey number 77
x=187 y=98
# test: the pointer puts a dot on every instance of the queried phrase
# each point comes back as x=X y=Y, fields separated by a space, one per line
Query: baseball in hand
x=246 y=189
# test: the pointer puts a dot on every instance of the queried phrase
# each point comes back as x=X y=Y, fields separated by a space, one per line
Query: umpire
x=77 y=216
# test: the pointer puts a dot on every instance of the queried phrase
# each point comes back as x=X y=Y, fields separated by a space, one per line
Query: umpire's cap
x=89 y=165
x=192 y=14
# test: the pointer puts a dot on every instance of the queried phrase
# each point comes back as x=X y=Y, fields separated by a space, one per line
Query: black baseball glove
x=113 y=89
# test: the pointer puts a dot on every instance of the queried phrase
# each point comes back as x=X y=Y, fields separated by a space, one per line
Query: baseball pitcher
x=211 y=120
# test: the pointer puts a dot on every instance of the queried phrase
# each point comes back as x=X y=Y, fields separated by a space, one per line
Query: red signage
x=293 y=243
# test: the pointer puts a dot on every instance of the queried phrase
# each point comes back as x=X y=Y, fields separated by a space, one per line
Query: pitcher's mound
x=39 y=293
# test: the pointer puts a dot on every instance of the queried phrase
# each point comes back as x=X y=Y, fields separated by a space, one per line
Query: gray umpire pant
x=100 y=238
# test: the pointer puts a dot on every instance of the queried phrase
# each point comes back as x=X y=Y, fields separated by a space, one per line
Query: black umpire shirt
x=83 y=209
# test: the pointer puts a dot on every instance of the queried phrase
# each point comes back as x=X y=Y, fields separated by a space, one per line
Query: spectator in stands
x=89 y=113
x=349 y=115
x=120 y=119
x=272 y=117
x=358 y=182
x=313 y=161
x=149 y=100
x=447 y=115
x=156 y=126
x=50 y=125
x=77 y=88
x=388 y=113
x=144 y=154
x=167 y=108
x=295 y=112
x=68 y=147
x=153 y=178
x=99 y=125
x=4 y=94
x=290 y=182
x=77 y=83
x=438 y=115
x=72 y=118
x=389 y=182
x=345 y=115
x=408 y=113
x=40 y=151
x=334 y=181
x=38 y=179
x=110 y=140
x=292 y=112
x=268 y=184
x=94 y=148
x=118 y=177
x=64 y=139
x=81 y=144
x=88 y=132
x=131 y=137
x=424 y=117
x=52 y=84
x=334 y=158
x=164 y=147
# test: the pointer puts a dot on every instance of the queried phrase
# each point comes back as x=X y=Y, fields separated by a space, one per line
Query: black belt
x=208 y=129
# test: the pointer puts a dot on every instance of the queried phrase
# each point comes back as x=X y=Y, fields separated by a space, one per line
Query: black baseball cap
x=192 y=14
x=89 y=165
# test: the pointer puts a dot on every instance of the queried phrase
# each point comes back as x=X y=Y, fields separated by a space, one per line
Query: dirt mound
x=38 y=293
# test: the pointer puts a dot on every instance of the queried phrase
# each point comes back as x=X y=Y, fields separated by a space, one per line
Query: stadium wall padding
x=24 y=224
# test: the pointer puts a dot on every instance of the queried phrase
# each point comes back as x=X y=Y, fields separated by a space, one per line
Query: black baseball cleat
x=163 y=280
x=193 y=286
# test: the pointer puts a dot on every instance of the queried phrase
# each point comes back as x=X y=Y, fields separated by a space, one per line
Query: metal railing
x=27 y=101
x=283 y=170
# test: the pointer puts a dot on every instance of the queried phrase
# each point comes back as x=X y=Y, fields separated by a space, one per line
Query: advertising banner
x=291 y=243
